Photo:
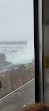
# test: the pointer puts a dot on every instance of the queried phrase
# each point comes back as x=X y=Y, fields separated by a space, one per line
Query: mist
x=16 y=20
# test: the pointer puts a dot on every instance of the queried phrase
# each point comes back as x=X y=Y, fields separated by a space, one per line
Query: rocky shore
x=14 y=77
x=3 y=61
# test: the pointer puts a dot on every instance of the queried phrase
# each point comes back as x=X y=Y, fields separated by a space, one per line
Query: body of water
x=18 y=53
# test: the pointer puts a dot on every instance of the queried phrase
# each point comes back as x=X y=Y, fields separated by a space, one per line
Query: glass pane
x=46 y=51
x=17 y=85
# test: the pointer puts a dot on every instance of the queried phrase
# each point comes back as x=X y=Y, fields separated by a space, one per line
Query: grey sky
x=16 y=20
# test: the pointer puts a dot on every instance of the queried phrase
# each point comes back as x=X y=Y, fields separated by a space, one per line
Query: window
x=46 y=50
x=16 y=54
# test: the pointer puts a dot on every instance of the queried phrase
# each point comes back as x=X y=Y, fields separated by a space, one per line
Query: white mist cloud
x=16 y=20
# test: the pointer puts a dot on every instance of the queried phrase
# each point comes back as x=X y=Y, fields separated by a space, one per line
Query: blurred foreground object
x=36 y=107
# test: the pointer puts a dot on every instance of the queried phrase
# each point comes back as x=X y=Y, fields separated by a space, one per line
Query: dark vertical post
x=36 y=44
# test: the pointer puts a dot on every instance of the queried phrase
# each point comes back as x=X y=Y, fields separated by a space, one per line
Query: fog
x=16 y=20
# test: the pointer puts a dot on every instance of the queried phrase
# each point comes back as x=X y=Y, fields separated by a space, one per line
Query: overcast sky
x=16 y=20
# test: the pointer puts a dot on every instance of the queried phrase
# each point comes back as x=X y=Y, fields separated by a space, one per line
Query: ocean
x=17 y=53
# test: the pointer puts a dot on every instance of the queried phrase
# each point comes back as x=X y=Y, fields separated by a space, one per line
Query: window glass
x=16 y=54
x=46 y=51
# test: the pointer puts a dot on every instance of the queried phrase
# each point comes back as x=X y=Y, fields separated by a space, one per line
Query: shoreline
x=5 y=65
x=9 y=66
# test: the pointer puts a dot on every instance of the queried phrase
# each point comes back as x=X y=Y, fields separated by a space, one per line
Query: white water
x=18 y=54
